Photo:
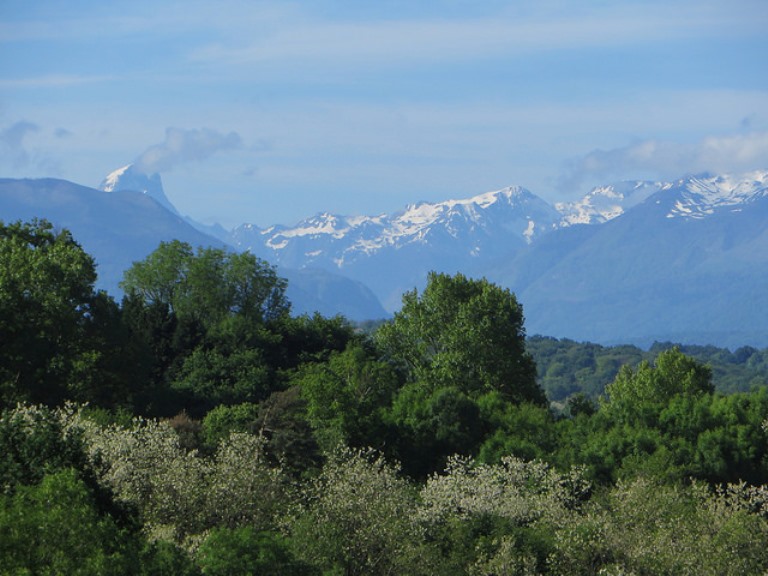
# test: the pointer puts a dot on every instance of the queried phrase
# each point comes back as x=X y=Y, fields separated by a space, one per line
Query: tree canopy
x=209 y=285
x=53 y=322
x=463 y=333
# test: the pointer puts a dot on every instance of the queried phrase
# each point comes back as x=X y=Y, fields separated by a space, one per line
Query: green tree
x=431 y=425
x=55 y=527
x=47 y=307
x=248 y=552
x=466 y=334
x=209 y=285
x=652 y=387
x=209 y=319
x=346 y=397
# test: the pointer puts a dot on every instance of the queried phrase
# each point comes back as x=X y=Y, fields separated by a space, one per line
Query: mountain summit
x=632 y=261
x=130 y=179
x=394 y=252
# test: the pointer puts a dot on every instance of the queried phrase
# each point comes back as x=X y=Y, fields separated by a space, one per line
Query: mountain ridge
x=120 y=226
x=391 y=251
x=630 y=262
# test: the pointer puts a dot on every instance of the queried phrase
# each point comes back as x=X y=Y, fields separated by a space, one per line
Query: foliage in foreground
x=231 y=512
x=223 y=436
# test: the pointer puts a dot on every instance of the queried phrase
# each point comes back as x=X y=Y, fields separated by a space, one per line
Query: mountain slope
x=116 y=229
x=631 y=261
x=121 y=227
x=690 y=264
x=393 y=253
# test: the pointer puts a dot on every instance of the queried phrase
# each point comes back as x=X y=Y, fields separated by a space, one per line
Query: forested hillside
x=566 y=367
x=197 y=427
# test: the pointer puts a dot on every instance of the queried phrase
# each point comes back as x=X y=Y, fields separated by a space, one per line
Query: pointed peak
x=131 y=179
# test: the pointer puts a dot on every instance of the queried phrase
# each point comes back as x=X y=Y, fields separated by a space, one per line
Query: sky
x=268 y=112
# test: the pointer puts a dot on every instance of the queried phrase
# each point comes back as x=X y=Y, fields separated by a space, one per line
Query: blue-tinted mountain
x=128 y=222
x=629 y=262
x=689 y=263
x=393 y=253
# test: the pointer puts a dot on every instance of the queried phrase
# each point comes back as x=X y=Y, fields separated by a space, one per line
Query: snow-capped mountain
x=616 y=265
x=685 y=260
x=488 y=225
x=513 y=214
x=130 y=179
x=690 y=197
x=446 y=236
x=604 y=203
x=689 y=263
x=701 y=196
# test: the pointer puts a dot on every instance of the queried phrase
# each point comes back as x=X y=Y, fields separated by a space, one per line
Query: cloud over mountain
x=182 y=146
x=664 y=159
x=12 y=141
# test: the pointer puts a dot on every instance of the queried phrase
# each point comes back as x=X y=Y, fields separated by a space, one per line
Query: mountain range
x=125 y=221
x=630 y=262
x=634 y=262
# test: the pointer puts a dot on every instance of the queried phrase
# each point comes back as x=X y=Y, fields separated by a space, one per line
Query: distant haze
x=267 y=111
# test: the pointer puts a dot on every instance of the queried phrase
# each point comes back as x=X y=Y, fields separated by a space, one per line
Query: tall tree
x=47 y=309
x=463 y=333
x=210 y=285
x=673 y=373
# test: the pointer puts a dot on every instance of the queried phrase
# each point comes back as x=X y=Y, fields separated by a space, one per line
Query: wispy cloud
x=666 y=159
x=12 y=142
x=506 y=33
x=51 y=81
x=182 y=146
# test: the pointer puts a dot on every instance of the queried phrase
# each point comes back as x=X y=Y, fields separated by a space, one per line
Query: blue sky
x=267 y=112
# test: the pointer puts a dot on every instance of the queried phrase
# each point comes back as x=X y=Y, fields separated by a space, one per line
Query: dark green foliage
x=223 y=420
x=247 y=552
x=646 y=469
x=463 y=333
x=636 y=392
x=429 y=426
x=346 y=397
x=209 y=321
x=282 y=420
x=523 y=430
x=566 y=367
x=666 y=422
x=208 y=286
x=54 y=527
x=56 y=333
x=460 y=340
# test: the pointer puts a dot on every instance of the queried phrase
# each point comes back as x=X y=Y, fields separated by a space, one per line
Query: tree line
x=198 y=427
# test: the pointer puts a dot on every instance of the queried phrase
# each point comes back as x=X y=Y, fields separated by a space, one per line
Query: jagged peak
x=113 y=178
x=130 y=179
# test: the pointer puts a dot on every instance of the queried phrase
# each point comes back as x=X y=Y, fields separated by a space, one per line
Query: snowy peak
x=702 y=195
x=690 y=197
x=605 y=203
x=508 y=215
x=129 y=178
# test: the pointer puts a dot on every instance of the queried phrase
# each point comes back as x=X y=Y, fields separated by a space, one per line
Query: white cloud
x=182 y=146
x=12 y=141
x=667 y=159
